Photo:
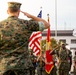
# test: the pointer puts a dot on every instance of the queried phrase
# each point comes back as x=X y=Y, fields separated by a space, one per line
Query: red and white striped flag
x=35 y=39
x=34 y=42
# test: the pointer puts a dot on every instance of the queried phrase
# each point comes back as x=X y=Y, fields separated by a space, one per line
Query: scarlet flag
x=49 y=58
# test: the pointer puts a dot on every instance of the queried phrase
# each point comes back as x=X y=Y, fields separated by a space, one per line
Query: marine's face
x=63 y=46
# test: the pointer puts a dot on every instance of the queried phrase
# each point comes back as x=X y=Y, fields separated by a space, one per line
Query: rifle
x=51 y=52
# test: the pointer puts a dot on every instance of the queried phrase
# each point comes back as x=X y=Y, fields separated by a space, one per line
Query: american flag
x=34 y=42
x=40 y=14
x=35 y=39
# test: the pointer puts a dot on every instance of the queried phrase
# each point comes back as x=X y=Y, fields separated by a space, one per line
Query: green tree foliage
x=53 y=44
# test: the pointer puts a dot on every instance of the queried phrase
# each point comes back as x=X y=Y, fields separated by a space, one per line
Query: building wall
x=67 y=38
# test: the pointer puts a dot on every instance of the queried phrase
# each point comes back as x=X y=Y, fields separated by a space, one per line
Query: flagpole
x=41 y=39
x=41 y=7
x=49 y=58
x=48 y=35
x=56 y=18
x=41 y=45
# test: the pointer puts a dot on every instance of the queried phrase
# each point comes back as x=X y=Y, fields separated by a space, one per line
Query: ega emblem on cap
x=14 y=4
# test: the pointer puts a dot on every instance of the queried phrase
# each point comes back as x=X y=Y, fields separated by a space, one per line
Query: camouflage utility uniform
x=41 y=68
x=69 y=58
x=34 y=61
x=14 y=39
x=74 y=65
x=63 y=68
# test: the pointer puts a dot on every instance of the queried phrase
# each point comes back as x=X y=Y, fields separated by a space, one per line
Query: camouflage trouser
x=17 y=72
x=41 y=71
x=74 y=70
x=54 y=70
x=64 y=68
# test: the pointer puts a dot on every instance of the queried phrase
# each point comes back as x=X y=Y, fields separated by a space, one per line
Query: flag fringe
x=50 y=70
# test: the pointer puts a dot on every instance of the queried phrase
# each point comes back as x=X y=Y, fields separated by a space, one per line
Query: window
x=73 y=41
x=63 y=40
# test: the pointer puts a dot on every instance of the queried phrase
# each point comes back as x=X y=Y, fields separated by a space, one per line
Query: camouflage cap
x=14 y=5
x=62 y=43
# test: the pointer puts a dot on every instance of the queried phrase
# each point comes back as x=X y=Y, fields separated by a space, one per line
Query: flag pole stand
x=41 y=52
x=41 y=59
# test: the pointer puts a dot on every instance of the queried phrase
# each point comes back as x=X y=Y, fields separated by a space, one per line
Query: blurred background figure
x=69 y=57
x=41 y=64
x=34 y=61
x=74 y=69
x=62 y=53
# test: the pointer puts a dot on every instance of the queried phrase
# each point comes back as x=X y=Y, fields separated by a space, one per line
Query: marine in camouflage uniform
x=40 y=68
x=69 y=59
x=54 y=70
x=14 y=39
x=41 y=64
x=74 y=64
x=34 y=61
x=63 y=60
